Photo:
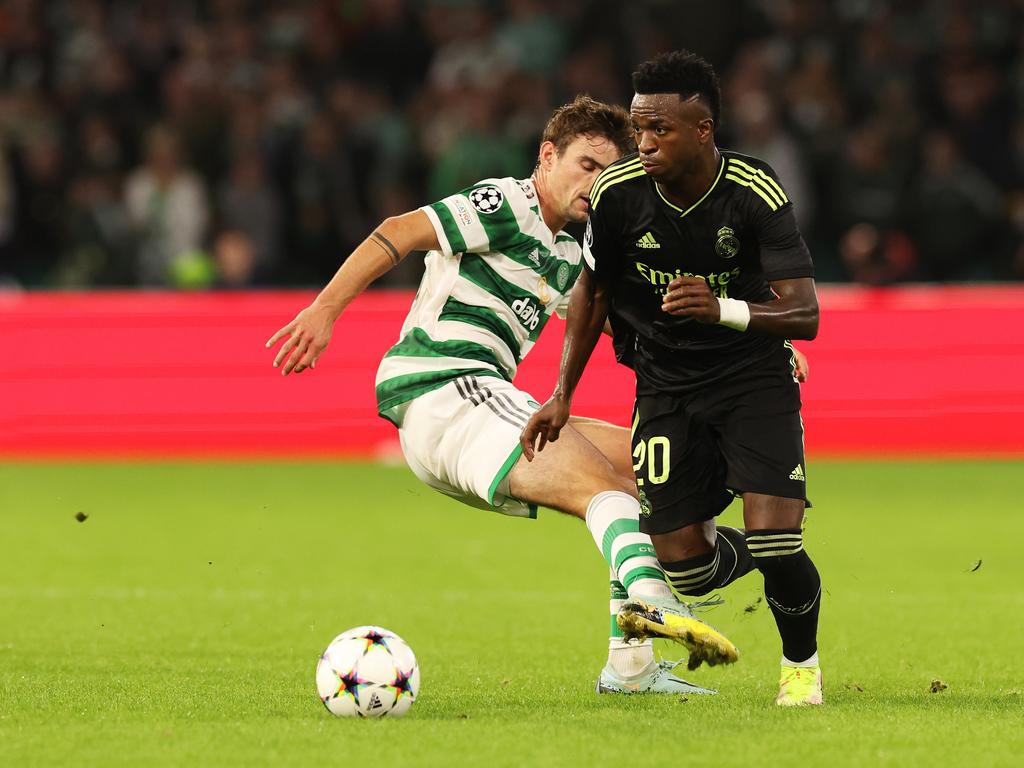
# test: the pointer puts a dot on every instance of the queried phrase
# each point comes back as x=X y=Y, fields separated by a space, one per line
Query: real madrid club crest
x=645 y=505
x=727 y=245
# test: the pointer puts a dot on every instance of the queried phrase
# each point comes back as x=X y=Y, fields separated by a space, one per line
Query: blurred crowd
x=236 y=143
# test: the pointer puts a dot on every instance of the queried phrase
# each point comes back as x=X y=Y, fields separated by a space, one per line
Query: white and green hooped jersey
x=485 y=296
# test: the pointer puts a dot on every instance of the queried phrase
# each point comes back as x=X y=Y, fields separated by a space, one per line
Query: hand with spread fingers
x=308 y=336
x=544 y=427
x=691 y=297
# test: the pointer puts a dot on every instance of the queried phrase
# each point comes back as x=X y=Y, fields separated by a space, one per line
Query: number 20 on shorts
x=656 y=451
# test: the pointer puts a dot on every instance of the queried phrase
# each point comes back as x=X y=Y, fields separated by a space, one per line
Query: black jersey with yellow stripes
x=740 y=236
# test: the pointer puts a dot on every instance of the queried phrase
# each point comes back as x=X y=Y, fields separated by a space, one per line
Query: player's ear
x=546 y=155
x=705 y=129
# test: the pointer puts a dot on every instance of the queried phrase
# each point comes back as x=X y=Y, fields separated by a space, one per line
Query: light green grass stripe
x=201 y=651
x=482 y=317
x=616 y=529
x=451 y=229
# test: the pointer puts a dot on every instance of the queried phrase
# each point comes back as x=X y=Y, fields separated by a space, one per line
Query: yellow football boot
x=674 y=620
x=800 y=687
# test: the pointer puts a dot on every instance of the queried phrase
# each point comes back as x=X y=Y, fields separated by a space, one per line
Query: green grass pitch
x=181 y=622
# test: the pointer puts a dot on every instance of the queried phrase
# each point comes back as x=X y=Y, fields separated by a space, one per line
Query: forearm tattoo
x=387 y=247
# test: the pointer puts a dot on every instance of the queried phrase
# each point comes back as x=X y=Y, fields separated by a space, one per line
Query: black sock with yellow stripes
x=792 y=587
x=724 y=564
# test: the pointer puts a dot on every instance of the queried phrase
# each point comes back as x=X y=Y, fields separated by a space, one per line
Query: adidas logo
x=374 y=702
x=535 y=257
x=648 y=241
x=797 y=474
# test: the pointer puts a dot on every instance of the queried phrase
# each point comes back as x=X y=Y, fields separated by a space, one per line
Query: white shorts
x=463 y=439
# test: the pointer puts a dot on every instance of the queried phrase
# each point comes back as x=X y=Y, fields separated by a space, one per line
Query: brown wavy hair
x=584 y=116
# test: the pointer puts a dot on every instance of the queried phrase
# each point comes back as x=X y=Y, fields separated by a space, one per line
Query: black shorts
x=693 y=454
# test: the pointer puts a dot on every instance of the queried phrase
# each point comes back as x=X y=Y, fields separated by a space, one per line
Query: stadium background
x=241 y=145
x=280 y=131
x=175 y=180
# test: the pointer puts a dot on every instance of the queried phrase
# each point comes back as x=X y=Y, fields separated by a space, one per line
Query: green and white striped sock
x=617 y=596
x=629 y=658
x=613 y=518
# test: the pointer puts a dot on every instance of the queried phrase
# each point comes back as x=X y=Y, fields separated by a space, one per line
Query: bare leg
x=611 y=440
x=567 y=474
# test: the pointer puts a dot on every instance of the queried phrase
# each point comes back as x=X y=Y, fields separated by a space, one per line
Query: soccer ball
x=368 y=672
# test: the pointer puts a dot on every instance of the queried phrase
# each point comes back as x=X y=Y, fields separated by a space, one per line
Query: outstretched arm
x=310 y=332
x=588 y=311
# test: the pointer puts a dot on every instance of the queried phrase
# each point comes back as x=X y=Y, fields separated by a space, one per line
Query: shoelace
x=711 y=602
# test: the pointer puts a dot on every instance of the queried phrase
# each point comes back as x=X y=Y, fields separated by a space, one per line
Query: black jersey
x=739 y=236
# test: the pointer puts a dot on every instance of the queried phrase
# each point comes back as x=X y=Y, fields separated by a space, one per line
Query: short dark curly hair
x=680 y=72
x=585 y=116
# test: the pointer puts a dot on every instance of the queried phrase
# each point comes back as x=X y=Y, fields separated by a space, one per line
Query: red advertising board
x=913 y=371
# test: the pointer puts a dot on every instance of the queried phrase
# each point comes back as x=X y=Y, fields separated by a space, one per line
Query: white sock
x=811 y=662
x=613 y=518
x=630 y=658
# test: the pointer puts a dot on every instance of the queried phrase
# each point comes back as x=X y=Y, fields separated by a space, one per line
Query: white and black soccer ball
x=368 y=672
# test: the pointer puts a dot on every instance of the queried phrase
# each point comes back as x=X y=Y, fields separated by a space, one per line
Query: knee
x=774 y=548
x=694 y=591
x=607 y=479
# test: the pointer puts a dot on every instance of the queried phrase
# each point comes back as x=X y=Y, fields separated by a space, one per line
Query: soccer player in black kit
x=694 y=256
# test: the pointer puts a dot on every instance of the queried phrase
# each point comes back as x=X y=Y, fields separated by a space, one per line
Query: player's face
x=671 y=134
x=573 y=172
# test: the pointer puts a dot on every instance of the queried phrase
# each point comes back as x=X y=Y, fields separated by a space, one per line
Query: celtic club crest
x=562 y=277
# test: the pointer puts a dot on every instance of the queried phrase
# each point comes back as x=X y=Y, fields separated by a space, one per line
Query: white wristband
x=735 y=314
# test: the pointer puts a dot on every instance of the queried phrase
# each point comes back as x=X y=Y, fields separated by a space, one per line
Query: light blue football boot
x=658 y=678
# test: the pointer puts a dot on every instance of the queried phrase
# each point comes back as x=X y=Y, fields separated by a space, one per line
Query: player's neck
x=554 y=221
x=687 y=189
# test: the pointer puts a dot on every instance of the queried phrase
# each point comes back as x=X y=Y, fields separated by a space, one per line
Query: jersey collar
x=680 y=211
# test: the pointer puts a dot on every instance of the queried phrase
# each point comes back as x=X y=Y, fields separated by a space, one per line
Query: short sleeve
x=599 y=253
x=784 y=254
x=476 y=220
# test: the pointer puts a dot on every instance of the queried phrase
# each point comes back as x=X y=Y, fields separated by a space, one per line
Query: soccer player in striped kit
x=498 y=265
